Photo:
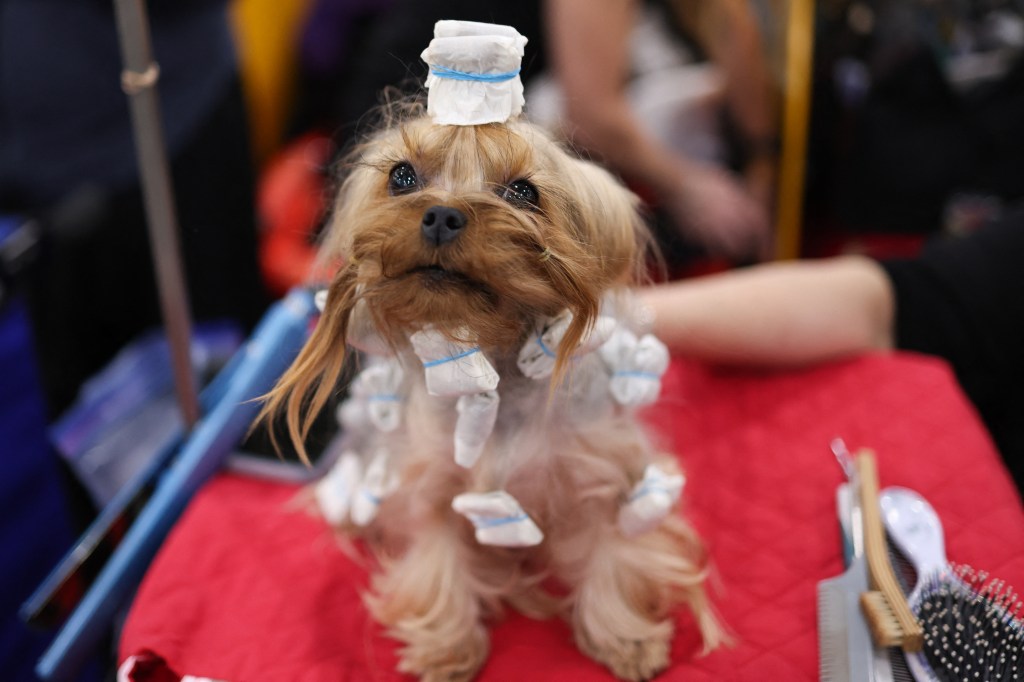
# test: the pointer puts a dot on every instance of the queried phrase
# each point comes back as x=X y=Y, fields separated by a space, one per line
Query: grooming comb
x=844 y=643
x=889 y=617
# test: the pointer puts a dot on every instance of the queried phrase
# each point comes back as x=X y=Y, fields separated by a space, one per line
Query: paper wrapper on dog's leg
x=452 y=369
x=477 y=414
x=379 y=386
x=378 y=482
x=650 y=501
x=537 y=358
x=637 y=366
x=334 y=492
x=374 y=400
x=499 y=519
x=354 y=415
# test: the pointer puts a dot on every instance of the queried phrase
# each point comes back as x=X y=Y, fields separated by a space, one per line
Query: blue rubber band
x=435 y=363
x=638 y=374
x=481 y=522
x=454 y=74
x=371 y=497
x=646 y=489
x=547 y=351
x=384 y=398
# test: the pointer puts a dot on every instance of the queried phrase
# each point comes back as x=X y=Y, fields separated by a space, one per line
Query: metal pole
x=139 y=80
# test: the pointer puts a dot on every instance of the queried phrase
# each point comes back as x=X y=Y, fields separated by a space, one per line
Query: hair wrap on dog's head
x=474 y=73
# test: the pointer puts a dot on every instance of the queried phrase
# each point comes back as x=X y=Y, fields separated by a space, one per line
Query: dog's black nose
x=441 y=224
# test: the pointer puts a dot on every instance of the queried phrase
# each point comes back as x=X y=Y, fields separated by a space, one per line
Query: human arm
x=778 y=314
x=589 y=46
x=589 y=50
x=730 y=35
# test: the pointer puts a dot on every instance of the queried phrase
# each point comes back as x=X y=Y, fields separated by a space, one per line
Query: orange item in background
x=291 y=202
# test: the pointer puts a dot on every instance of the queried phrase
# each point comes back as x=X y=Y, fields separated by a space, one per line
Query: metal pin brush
x=972 y=627
x=971 y=623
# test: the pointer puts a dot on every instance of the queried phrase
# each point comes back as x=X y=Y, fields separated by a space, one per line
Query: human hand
x=713 y=208
x=759 y=175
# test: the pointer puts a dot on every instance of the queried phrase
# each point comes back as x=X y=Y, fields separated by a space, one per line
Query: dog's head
x=483 y=228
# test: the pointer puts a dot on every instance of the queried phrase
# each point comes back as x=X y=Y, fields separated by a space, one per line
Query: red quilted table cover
x=247 y=588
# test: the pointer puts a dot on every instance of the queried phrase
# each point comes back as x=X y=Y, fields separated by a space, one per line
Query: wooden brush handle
x=879 y=569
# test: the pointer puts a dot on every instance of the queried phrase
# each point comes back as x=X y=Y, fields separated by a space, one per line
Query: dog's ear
x=609 y=222
x=357 y=194
x=307 y=385
x=605 y=246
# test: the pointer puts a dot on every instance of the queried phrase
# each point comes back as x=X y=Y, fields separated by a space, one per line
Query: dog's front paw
x=436 y=661
x=631 y=659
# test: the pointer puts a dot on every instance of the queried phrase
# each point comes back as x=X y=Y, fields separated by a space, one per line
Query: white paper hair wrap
x=650 y=501
x=636 y=365
x=362 y=334
x=537 y=357
x=474 y=73
x=377 y=387
x=378 y=482
x=499 y=519
x=452 y=369
x=477 y=414
x=335 y=491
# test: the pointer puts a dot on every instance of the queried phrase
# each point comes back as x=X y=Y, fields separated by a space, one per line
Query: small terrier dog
x=461 y=251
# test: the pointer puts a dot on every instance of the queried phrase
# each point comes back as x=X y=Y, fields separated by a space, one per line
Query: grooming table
x=248 y=587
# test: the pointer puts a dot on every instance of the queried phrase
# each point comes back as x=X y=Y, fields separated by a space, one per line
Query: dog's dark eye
x=403 y=179
x=521 y=193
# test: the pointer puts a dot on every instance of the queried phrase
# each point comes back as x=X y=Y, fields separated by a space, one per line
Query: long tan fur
x=513 y=264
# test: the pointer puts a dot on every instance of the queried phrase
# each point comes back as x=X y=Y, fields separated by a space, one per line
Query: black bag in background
x=916 y=107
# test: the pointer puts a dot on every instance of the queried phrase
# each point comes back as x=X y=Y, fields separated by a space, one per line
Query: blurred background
x=753 y=130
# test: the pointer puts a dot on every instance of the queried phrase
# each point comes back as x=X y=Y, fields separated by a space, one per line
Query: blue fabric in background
x=35 y=529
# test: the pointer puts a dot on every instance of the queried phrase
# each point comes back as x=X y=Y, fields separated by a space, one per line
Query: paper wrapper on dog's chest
x=452 y=369
x=474 y=49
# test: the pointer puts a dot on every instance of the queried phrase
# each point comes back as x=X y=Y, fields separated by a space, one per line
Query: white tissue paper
x=474 y=73
x=651 y=501
x=320 y=299
x=378 y=387
x=477 y=414
x=354 y=416
x=637 y=366
x=362 y=334
x=334 y=492
x=537 y=357
x=499 y=519
x=377 y=484
x=452 y=369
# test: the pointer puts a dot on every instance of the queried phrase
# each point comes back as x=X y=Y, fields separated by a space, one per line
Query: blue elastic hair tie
x=649 y=489
x=435 y=363
x=480 y=522
x=638 y=374
x=543 y=347
x=453 y=74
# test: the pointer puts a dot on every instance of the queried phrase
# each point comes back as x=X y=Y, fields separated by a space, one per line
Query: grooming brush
x=972 y=627
x=888 y=614
x=844 y=641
